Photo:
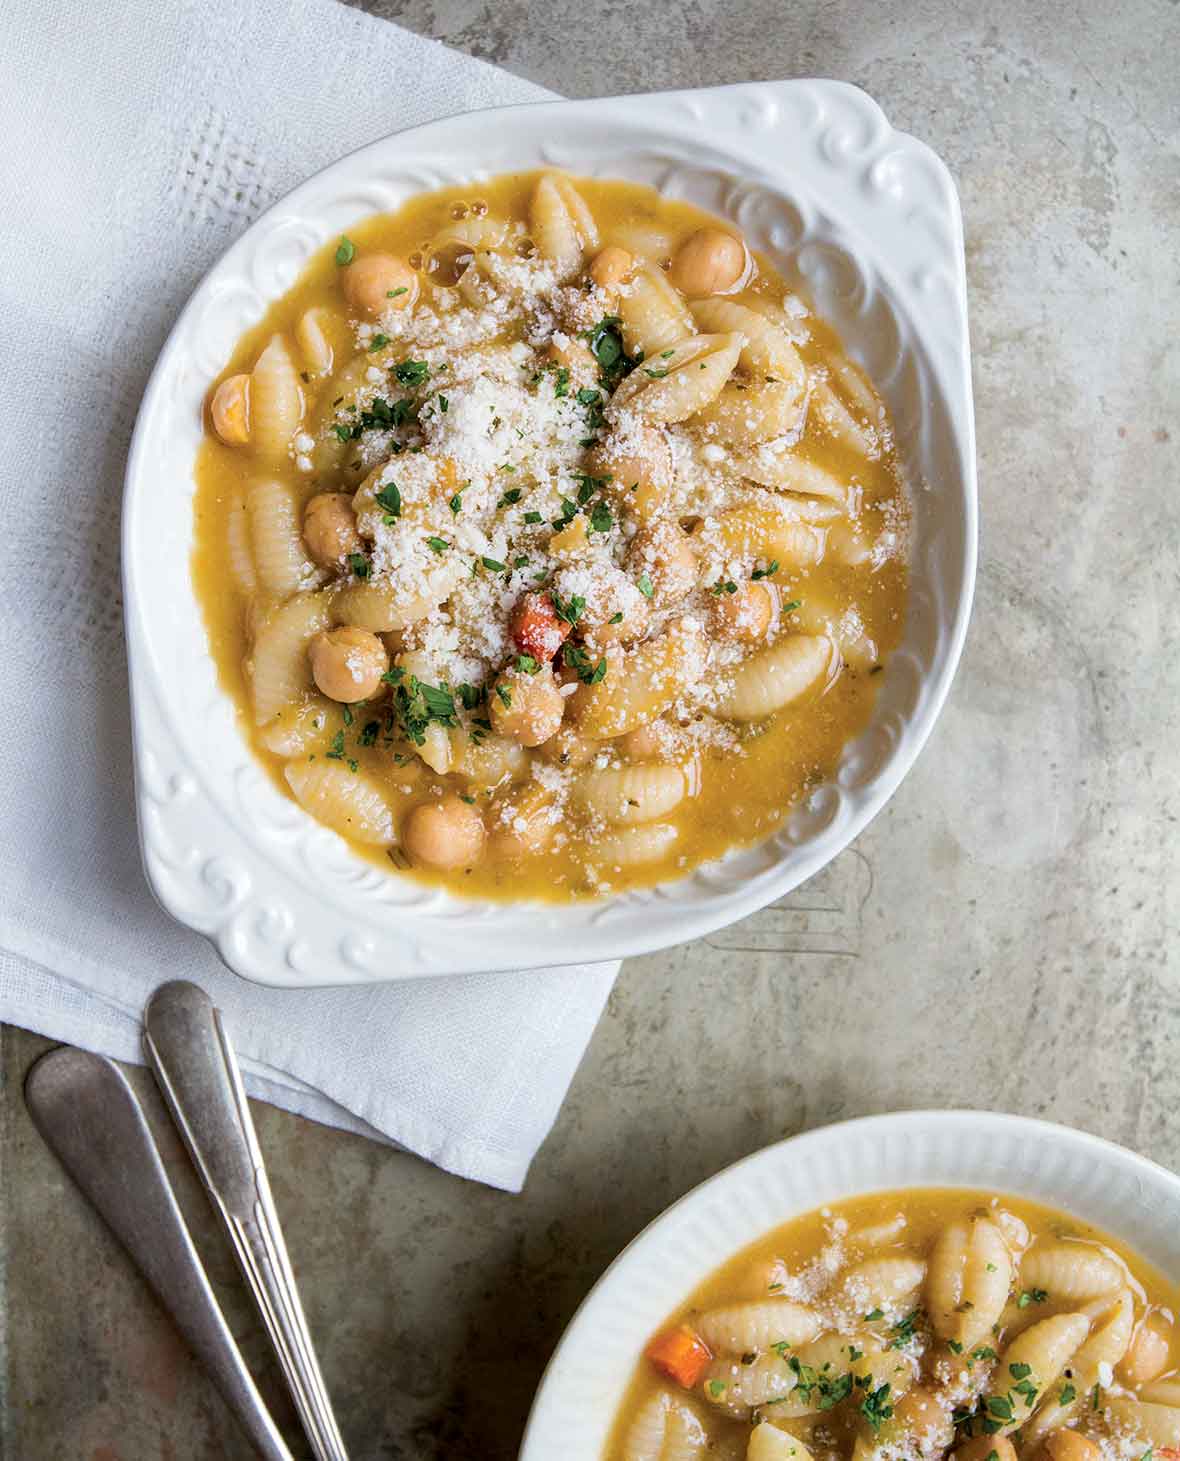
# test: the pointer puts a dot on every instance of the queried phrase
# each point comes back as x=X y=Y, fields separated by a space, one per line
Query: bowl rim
x=582 y=1329
x=541 y=933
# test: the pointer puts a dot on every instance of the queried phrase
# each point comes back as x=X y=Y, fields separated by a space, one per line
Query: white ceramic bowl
x=864 y=218
x=1128 y=1196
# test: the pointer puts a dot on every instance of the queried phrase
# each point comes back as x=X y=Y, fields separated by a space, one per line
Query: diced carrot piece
x=681 y=1354
x=535 y=627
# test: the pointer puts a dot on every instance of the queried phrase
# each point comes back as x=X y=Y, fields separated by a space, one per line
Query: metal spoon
x=194 y=1062
x=92 y=1122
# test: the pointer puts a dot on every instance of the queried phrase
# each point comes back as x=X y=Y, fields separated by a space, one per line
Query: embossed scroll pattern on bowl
x=863 y=218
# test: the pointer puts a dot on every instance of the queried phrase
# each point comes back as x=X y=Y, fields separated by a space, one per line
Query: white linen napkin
x=136 y=142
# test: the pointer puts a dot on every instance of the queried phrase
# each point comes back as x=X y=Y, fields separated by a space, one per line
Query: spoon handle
x=92 y=1122
x=198 y=1073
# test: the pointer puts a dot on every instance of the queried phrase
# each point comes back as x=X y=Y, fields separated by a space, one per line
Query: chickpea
x=523 y=824
x=643 y=462
x=448 y=833
x=230 y=410
x=529 y=708
x=632 y=626
x=661 y=553
x=611 y=267
x=1066 y=1445
x=568 y=748
x=347 y=663
x=329 y=528
x=655 y=741
x=925 y=1420
x=1147 y=1355
x=709 y=262
x=374 y=283
x=745 y=614
x=979 y=1448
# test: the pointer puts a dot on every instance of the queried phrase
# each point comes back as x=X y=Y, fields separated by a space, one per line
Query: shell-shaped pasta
x=436 y=749
x=302 y=727
x=561 y=224
x=744 y=414
x=1162 y=1392
x=769 y=532
x=640 y=683
x=879 y=1235
x=775 y=677
x=968 y=1282
x=279 y=671
x=632 y=794
x=653 y=314
x=664 y=1429
x=1106 y=1345
x=347 y=801
x=313 y=336
x=486 y=232
x=1070 y=1271
x=767 y=351
x=275 y=532
x=680 y=381
x=488 y=761
x=634 y=845
x=838 y=422
x=1045 y=1348
x=780 y=467
x=768 y=1443
x=382 y=608
x=1159 y=1425
x=857 y=388
x=237 y=549
x=889 y=1283
x=756 y=1325
x=276 y=400
x=645 y=239
x=737 y=1388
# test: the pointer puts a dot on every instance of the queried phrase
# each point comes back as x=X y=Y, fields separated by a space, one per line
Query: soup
x=915 y=1325
x=547 y=543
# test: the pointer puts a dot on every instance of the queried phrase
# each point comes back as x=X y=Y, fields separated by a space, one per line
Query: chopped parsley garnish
x=569 y=511
x=443 y=404
x=875 y=1406
x=456 y=503
x=1019 y=1372
x=655 y=374
x=393 y=293
x=526 y=664
x=510 y=497
x=1031 y=1296
x=588 y=486
x=954 y=1346
x=984 y=1353
x=336 y=751
x=726 y=587
x=346 y=712
x=360 y=565
x=616 y=618
x=390 y=498
x=588 y=396
x=378 y=342
x=505 y=695
x=493 y=565
x=369 y=733
x=1094 y=1394
x=790 y=607
x=875 y=1314
x=532 y=517
x=645 y=588
x=768 y=572
x=999 y=1406
x=606 y=345
x=416 y=704
x=903 y=1331
x=345 y=251
x=570 y=611
x=440 y=545
x=601 y=520
x=580 y=662
x=716 y=1388
x=411 y=372
x=1068 y=1392
x=469 y=695
x=561 y=385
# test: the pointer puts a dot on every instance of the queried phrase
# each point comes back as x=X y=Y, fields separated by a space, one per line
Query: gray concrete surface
x=1005 y=935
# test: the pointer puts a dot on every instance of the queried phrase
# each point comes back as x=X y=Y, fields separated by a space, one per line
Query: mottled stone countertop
x=1006 y=934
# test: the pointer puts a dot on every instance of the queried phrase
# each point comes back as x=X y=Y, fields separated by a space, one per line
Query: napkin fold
x=137 y=141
